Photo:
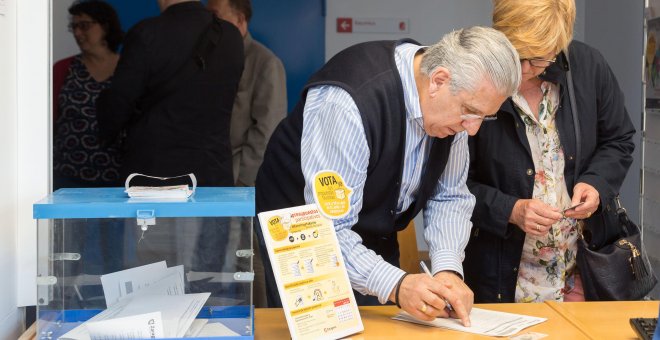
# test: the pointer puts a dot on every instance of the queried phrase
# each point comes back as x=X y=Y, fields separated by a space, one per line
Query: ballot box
x=114 y=267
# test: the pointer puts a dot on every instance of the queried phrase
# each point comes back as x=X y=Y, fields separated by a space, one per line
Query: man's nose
x=472 y=126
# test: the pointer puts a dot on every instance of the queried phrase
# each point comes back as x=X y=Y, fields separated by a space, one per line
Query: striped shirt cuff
x=383 y=280
x=446 y=260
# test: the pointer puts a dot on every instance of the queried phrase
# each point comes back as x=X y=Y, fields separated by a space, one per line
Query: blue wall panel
x=295 y=31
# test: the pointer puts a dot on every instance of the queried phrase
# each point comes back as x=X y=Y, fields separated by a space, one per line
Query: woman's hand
x=533 y=216
x=583 y=192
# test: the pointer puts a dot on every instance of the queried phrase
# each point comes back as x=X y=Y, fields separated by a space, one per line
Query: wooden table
x=606 y=320
x=270 y=323
x=566 y=320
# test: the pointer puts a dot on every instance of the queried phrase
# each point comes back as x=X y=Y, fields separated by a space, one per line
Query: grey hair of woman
x=474 y=54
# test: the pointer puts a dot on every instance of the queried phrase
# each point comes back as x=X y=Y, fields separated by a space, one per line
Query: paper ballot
x=120 y=284
x=485 y=322
x=177 y=314
x=143 y=302
x=195 y=328
x=143 y=326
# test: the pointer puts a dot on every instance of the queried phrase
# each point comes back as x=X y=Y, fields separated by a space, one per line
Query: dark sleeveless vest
x=368 y=72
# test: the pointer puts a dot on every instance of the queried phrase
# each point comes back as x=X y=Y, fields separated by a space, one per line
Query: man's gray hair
x=474 y=54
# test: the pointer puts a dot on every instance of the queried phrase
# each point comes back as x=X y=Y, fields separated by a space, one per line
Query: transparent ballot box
x=171 y=267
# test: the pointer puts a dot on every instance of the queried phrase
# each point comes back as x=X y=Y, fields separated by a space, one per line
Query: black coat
x=185 y=129
x=502 y=169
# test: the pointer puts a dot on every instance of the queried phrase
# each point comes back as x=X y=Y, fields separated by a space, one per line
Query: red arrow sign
x=344 y=25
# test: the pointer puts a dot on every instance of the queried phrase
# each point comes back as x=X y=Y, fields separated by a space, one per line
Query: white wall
x=31 y=161
x=10 y=315
x=428 y=19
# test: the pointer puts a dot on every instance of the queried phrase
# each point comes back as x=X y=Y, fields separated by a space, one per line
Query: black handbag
x=618 y=270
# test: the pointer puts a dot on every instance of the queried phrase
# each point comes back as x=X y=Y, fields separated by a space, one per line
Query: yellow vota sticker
x=332 y=195
x=277 y=231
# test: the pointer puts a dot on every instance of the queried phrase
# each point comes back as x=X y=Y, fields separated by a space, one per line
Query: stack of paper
x=172 y=191
x=177 y=192
x=144 y=302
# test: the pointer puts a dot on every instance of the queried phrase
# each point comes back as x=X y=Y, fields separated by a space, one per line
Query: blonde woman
x=523 y=244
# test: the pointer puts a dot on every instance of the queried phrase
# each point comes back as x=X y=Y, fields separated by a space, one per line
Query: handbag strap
x=629 y=227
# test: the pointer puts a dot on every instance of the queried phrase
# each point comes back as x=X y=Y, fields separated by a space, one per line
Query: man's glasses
x=540 y=62
x=470 y=116
x=82 y=25
x=467 y=115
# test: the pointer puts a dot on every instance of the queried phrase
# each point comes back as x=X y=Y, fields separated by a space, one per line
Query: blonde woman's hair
x=535 y=27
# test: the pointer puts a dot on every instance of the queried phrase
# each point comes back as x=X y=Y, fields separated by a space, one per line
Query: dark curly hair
x=105 y=15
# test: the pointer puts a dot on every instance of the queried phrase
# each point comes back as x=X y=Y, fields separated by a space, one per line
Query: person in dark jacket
x=172 y=94
x=392 y=119
x=175 y=129
x=523 y=165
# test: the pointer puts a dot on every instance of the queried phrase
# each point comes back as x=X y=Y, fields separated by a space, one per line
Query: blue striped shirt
x=333 y=138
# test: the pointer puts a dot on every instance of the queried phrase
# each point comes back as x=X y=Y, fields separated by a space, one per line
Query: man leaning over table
x=392 y=118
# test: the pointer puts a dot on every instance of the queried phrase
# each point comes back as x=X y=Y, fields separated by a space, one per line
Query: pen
x=427 y=271
x=563 y=212
x=573 y=207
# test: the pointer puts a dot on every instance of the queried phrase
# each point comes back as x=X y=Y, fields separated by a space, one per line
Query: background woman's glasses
x=82 y=25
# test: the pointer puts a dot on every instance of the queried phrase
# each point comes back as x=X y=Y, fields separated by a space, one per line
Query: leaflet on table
x=311 y=277
x=485 y=322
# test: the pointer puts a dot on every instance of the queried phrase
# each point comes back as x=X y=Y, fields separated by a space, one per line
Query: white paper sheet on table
x=485 y=322
x=177 y=311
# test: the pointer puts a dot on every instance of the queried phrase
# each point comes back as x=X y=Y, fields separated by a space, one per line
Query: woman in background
x=523 y=245
x=79 y=160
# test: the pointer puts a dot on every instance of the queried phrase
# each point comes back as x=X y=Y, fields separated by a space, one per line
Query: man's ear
x=440 y=77
x=241 y=17
x=242 y=23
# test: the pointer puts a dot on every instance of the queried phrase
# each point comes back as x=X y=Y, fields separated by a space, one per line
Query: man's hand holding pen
x=441 y=296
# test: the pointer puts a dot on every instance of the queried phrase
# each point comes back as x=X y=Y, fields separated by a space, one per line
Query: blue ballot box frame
x=60 y=322
x=96 y=206
x=113 y=202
